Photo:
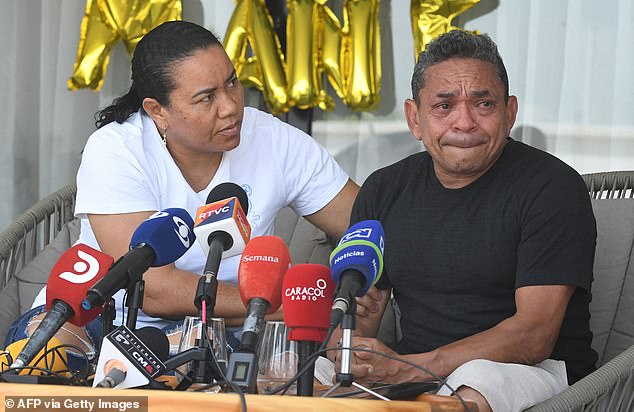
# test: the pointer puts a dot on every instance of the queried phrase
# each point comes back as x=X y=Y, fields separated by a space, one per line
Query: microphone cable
x=323 y=349
x=310 y=361
x=77 y=378
x=441 y=381
x=224 y=382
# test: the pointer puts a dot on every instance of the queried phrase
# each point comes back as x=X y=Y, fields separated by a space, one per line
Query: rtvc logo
x=208 y=213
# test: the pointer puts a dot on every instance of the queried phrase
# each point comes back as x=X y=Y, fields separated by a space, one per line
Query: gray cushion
x=612 y=303
x=18 y=296
x=9 y=307
x=35 y=273
x=306 y=243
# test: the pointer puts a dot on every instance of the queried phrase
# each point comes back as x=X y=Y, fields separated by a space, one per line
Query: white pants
x=510 y=386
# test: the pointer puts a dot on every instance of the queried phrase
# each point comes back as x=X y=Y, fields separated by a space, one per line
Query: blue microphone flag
x=170 y=233
x=360 y=249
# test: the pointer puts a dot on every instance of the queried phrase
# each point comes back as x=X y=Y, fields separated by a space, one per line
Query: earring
x=164 y=137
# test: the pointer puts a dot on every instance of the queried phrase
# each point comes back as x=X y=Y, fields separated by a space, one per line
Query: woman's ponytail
x=120 y=109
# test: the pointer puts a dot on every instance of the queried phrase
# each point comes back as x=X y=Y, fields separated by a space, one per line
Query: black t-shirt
x=454 y=257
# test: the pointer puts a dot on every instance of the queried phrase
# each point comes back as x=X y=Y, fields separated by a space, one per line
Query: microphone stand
x=204 y=368
x=208 y=284
x=107 y=316
x=134 y=301
x=344 y=376
x=305 y=350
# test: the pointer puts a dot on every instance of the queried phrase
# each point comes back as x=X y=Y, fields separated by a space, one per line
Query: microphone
x=129 y=360
x=260 y=275
x=159 y=240
x=307 y=294
x=224 y=219
x=78 y=269
x=115 y=371
x=222 y=229
x=51 y=357
x=357 y=264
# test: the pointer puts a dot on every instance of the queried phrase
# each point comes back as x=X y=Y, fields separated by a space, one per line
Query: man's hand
x=373 y=367
x=369 y=304
x=370 y=310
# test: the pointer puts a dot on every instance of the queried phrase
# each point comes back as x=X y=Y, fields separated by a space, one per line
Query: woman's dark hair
x=152 y=62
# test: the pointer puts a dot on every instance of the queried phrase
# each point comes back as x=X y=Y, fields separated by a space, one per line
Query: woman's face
x=206 y=106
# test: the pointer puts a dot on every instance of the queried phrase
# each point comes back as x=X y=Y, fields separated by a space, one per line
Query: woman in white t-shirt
x=182 y=129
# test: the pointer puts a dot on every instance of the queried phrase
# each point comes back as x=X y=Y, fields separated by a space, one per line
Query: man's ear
x=411 y=115
x=511 y=112
x=155 y=110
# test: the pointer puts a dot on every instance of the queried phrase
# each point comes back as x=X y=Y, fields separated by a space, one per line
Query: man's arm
x=528 y=337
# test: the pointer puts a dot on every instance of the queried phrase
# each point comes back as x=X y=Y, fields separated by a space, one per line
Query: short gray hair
x=458 y=43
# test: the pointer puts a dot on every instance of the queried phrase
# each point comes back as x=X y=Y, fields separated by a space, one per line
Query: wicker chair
x=25 y=239
x=611 y=387
x=33 y=231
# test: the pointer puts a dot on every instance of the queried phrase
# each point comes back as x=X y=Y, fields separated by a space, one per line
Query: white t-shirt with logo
x=126 y=168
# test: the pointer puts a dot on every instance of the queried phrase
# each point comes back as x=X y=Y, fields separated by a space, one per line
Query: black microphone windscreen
x=155 y=340
x=226 y=190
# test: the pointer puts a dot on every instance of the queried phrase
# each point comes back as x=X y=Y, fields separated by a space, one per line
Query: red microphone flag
x=76 y=271
x=307 y=295
x=264 y=261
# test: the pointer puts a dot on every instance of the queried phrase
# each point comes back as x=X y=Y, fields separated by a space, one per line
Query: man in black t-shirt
x=489 y=243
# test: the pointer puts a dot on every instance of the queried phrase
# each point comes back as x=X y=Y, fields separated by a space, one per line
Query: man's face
x=462 y=119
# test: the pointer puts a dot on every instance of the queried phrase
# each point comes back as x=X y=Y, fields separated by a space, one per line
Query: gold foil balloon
x=318 y=46
x=349 y=55
x=107 y=21
x=252 y=24
x=431 y=18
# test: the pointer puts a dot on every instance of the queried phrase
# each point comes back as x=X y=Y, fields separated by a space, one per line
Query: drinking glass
x=192 y=331
x=278 y=357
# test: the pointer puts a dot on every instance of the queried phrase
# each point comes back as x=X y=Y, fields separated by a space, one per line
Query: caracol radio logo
x=307 y=292
x=84 y=270
x=182 y=231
